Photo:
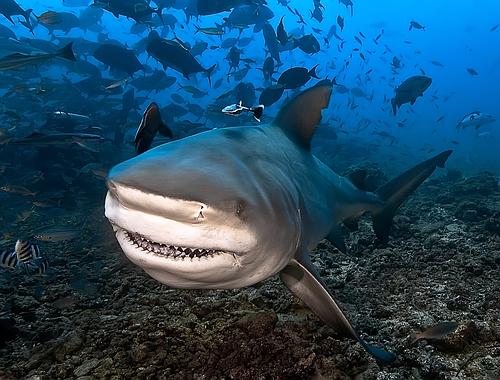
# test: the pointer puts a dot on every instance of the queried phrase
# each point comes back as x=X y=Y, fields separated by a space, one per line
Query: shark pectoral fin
x=305 y=283
x=397 y=190
x=336 y=237
x=299 y=117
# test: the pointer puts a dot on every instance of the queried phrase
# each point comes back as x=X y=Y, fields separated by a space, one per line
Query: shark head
x=213 y=210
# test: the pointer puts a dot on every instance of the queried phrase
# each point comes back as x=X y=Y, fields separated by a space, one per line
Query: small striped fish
x=8 y=259
x=37 y=266
x=25 y=255
x=26 y=251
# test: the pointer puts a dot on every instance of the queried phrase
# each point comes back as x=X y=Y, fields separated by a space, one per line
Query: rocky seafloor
x=95 y=315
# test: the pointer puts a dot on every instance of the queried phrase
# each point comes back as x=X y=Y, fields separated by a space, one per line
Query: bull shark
x=230 y=207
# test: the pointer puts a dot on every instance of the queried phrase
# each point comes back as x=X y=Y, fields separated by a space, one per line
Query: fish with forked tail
x=238 y=109
x=18 y=60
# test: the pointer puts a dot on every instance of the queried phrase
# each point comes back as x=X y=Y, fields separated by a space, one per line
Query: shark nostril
x=111 y=186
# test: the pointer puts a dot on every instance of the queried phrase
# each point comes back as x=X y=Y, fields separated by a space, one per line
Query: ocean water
x=79 y=302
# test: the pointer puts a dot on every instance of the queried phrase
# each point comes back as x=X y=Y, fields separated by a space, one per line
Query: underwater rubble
x=95 y=315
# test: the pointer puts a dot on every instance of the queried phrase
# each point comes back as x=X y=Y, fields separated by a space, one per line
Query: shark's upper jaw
x=185 y=257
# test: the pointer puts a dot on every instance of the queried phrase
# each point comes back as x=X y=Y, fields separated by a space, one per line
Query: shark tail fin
x=397 y=190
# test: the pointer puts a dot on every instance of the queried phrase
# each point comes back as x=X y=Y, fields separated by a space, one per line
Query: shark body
x=231 y=207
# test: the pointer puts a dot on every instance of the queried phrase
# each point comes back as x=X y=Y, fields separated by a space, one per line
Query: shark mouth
x=170 y=251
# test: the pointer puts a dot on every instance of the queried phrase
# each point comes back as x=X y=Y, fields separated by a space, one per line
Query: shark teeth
x=171 y=251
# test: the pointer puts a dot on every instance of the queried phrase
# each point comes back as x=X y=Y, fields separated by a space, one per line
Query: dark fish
x=416 y=25
x=250 y=14
x=281 y=33
x=234 y=57
x=198 y=48
x=271 y=95
x=151 y=124
x=64 y=21
x=333 y=33
x=173 y=54
x=157 y=81
x=299 y=15
x=472 y=72
x=268 y=68
x=410 y=90
x=10 y=8
x=347 y=3
x=378 y=36
x=297 y=77
x=118 y=58
x=211 y=7
x=340 y=22
x=396 y=62
x=18 y=60
x=138 y=10
x=436 y=332
x=271 y=41
x=308 y=44
x=437 y=63
x=317 y=14
x=226 y=44
x=495 y=27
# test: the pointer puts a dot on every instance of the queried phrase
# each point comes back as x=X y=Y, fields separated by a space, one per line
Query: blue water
x=457 y=34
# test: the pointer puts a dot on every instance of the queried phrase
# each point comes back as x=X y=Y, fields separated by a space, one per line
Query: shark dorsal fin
x=299 y=117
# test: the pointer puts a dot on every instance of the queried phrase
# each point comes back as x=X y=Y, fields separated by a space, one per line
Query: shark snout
x=159 y=205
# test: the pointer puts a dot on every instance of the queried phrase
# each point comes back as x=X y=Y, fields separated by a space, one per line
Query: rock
x=470 y=211
x=375 y=177
x=86 y=367
x=483 y=184
x=492 y=224
x=105 y=368
x=69 y=344
x=138 y=353
x=258 y=323
x=8 y=330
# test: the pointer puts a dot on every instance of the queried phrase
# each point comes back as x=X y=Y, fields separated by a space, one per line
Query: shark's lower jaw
x=171 y=252
x=181 y=267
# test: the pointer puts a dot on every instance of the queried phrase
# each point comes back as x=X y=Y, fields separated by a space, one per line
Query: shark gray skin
x=231 y=207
